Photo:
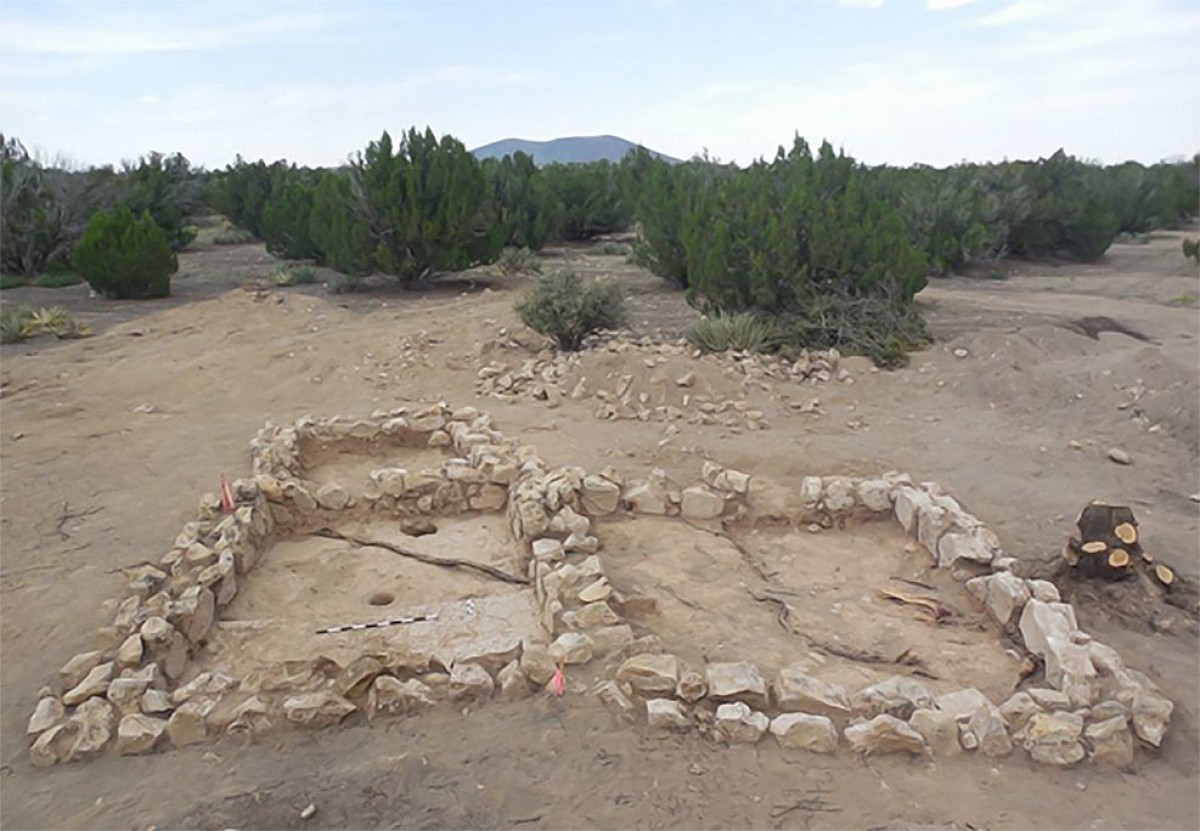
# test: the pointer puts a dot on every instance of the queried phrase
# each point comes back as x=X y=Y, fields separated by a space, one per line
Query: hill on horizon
x=568 y=150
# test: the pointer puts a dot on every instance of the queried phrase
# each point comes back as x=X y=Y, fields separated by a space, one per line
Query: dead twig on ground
x=442 y=562
x=68 y=514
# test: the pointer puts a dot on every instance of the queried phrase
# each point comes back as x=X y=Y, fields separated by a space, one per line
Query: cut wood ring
x=1126 y=532
x=1119 y=558
x=1094 y=547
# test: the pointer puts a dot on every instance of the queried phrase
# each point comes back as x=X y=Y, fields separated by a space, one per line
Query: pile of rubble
x=548 y=377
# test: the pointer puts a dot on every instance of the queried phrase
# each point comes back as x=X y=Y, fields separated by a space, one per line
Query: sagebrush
x=568 y=309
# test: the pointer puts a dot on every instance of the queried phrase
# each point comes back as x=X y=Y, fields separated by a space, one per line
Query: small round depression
x=382 y=599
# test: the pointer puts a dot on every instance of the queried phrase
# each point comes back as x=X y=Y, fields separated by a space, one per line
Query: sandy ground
x=90 y=485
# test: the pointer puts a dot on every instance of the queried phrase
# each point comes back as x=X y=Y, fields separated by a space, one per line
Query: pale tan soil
x=993 y=427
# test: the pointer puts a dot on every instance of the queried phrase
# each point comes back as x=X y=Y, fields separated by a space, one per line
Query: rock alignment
x=139 y=689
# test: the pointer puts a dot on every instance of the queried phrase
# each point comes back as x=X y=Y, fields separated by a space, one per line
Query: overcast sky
x=898 y=81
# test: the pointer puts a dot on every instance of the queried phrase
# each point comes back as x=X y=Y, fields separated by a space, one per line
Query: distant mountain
x=576 y=149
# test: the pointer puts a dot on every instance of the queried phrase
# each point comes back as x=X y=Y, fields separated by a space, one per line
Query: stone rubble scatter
x=138 y=692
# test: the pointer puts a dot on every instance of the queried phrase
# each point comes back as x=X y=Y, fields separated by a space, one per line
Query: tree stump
x=1108 y=546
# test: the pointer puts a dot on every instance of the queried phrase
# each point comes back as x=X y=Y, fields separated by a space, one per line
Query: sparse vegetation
x=567 y=309
x=12 y=323
x=1191 y=249
x=344 y=283
x=57 y=280
x=723 y=332
x=515 y=261
x=123 y=256
x=13 y=281
x=612 y=249
x=1186 y=300
x=300 y=275
x=23 y=323
x=233 y=236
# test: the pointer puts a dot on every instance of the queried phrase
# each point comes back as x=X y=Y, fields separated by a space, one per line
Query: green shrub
x=13 y=281
x=123 y=256
x=12 y=323
x=57 y=280
x=566 y=309
x=515 y=261
x=235 y=236
x=591 y=197
x=344 y=283
x=411 y=210
x=720 y=333
x=525 y=209
x=1191 y=249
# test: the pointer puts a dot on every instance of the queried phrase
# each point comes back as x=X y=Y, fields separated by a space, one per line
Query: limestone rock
x=593 y=616
x=511 y=684
x=53 y=745
x=1106 y=710
x=129 y=653
x=954 y=546
x=897 y=696
x=1151 y=715
x=938 y=729
x=1018 y=709
x=1040 y=621
x=648 y=496
x=76 y=669
x=324 y=708
x=736 y=681
x=875 y=495
x=47 y=713
x=667 y=713
x=989 y=731
x=797 y=691
x=95 y=683
x=839 y=494
x=962 y=704
x=732 y=481
x=548 y=550
x=884 y=734
x=691 y=687
x=195 y=612
x=1002 y=593
x=572 y=648
x=600 y=496
x=650 y=673
x=699 y=502
x=137 y=733
x=470 y=682
x=908 y=502
x=615 y=698
x=250 y=717
x=357 y=677
x=95 y=720
x=596 y=591
x=1111 y=742
x=537 y=664
x=1044 y=590
x=1053 y=738
x=333 y=497
x=126 y=693
x=391 y=695
x=815 y=734
x=154 y=702
x=606 y=639
x=739 y=724
x=187 y=724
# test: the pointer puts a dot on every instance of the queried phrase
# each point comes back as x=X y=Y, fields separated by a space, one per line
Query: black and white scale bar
x=383 y=624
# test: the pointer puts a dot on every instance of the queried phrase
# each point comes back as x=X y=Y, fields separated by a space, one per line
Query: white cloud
x=1023 y=11
x=860 y=4
x=146 y=36
x=941 y=5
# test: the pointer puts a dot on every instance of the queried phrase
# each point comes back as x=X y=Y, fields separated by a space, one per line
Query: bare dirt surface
x=1019 y=429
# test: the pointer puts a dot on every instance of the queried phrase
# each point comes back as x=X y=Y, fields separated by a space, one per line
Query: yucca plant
x=723 y=332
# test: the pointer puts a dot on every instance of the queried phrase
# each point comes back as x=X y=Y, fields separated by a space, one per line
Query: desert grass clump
x=514 y=261
x=609 y=248
x=302 y=275
x=13 y=281
x=723 y=332
x=344 y=283
x=566 y=309
x=12 y=323
x=1191 y=249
